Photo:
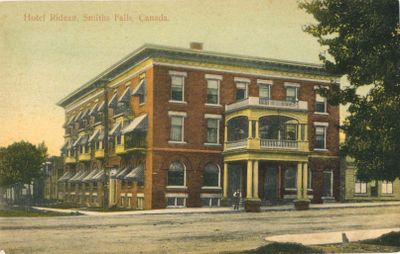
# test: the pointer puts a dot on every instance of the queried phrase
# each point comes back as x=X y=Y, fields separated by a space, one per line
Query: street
x=180 y=233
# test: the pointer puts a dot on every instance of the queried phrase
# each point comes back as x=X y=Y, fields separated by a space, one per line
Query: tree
x=20 y=163
x=361 y=37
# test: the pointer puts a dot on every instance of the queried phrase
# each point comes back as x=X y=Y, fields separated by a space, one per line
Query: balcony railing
x=278 y=143
x=267 y=103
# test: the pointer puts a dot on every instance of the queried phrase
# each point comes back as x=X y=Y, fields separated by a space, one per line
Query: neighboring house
x=354 y=190
x=53 y=170
x=188 y=127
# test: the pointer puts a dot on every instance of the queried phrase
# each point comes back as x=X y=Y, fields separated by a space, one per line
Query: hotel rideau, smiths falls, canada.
x=172 y=127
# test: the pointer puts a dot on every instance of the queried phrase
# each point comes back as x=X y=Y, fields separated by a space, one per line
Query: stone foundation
x=301 y=205
x=252 y=205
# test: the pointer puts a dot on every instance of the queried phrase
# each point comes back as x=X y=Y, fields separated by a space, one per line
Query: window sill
x=321 y=149
x=177 y=142
x=178 y=102
x=321 y=113
x=142 y=104
x=177 y=187
x=212 y=144
x=213 y=105
x=387 y=195
x=361 y=194
x=290 y=189
x=211 y=188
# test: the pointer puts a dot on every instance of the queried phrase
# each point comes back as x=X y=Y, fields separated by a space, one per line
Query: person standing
x=236 y=199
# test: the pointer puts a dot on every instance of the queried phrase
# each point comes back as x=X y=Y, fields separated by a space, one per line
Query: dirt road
x=179 y=233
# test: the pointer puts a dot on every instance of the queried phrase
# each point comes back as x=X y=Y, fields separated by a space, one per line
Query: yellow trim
x=241 y=69
x=278 y=156
x=256 y=113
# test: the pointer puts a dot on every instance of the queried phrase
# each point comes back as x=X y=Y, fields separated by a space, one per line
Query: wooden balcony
x=84 y=157
x=70 y=159
x=99 y=153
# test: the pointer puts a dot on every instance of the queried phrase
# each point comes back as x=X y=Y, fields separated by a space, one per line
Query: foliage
x=20 y=163
x=18 y=212
x=389 y=239
x=361 y=37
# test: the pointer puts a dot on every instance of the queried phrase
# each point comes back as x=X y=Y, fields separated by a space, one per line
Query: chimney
x=196 y=45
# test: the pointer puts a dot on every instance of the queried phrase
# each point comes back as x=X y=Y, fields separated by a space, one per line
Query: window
x=387 y=187
x=320 y=137
x=212 y=91
x=176 y=174
x=140 y=201
x=327 y=182
x=241 y=91
x=360 y=187
x=320 y=103
x=176 y=128
x=290 y=178
x=291 y=93
x=309 y=179
x=210 y=202
x=264 y=93
x=176 y=201
x=211 y=175
x=177 y=88
x=212 y=130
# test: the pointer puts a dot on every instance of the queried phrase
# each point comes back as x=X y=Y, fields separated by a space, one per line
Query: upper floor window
x=387 y=187
x=212 y=128
x=264 y=91
x=320 y=103
x=320 y=135
x=211 y=175
x=177 y=126
x=212 y=91
x=291 y=90
x=176 y=174
x=241 y=91
x=177 y=86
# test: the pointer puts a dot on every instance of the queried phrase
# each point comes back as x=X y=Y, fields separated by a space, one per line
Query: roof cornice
x=156 y=51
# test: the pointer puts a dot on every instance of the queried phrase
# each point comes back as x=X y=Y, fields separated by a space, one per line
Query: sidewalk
x=218 y=209
x=330 y=237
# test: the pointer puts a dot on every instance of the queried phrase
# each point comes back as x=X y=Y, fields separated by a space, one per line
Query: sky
x=43 y=59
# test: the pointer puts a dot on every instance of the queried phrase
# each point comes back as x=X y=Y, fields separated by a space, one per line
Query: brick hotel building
x=188 y=127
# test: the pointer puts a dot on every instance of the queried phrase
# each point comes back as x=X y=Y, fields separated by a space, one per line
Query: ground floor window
x=327 y=183
x=122 y=201
x=140 y=201
x=387 y=187
x=210 y=202
x=360 y=187
x=176 y=201
x=128 y=202
x=94 y=199
x=290 y=178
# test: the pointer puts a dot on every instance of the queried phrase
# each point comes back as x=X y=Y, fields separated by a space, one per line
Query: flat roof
x=151 y=51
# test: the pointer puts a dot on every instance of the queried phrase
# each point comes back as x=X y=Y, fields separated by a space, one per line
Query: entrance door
x=234 y=179
x=270 y=186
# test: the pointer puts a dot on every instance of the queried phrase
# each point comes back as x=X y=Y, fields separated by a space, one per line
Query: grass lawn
x=29 y=212
x=389 y=242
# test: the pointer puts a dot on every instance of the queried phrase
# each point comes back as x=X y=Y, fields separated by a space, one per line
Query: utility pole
x=106 y=154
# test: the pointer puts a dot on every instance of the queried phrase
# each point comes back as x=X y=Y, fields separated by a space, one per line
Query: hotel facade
x=188 y=128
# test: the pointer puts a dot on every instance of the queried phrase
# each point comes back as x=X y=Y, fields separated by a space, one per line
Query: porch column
x=225 y=180
x=305 y=180
x=225 y=133
x=257 y=130
x=255 y=180
x=250 y=129
x=299 y=180
x=249 y=179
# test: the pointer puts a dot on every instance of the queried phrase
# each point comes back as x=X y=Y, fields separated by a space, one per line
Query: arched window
x=211 y=175
x=176 y=174
x=290 y=178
